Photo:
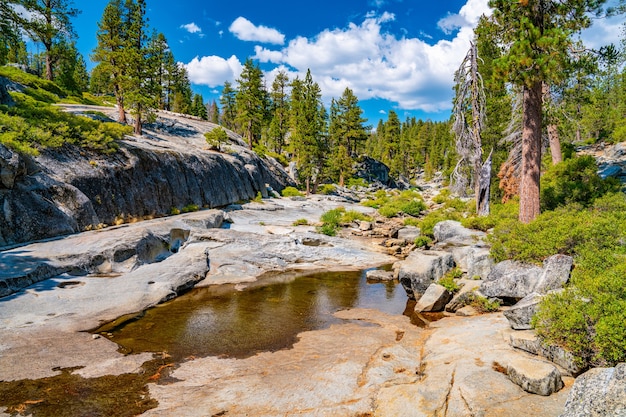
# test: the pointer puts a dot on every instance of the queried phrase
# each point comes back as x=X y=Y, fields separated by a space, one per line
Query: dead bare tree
x=470 y=103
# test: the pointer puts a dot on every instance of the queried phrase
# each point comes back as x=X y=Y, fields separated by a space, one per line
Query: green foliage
x=423 y=241
x=483 y=304
x=300 y=222
x=258 y=198
x=32 y=125
x=326 y=189
x=449 y=283
x=333 y=219
x=428 y=222
x=408 y=202
x=587 y=318
x=574 y=181
x=190 y=208
x=174 y=211
x=216 y=138
x=499 y=213
x=356 y=182
x=291 y=192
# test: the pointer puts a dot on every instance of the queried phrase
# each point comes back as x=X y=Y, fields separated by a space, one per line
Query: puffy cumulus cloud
x=213 y=70
x=603 y=32
x=469 y=15
x=191 y=28
x=411 y=72
x=245 y=30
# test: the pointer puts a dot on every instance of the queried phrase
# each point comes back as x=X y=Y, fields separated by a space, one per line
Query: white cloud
x=213 y=70
x=603 y=32
x=413 y=73
x=191 y=28
x=468 y=16
x=245 y=30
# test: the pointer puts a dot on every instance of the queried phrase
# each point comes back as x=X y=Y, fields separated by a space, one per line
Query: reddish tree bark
x=529 y=207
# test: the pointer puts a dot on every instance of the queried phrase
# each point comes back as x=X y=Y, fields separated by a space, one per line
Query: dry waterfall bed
x=369 y=364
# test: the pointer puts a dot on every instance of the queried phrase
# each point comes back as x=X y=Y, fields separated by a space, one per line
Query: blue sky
x=394 y=54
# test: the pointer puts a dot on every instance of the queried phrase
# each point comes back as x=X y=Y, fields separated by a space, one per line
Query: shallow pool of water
x=263 y=316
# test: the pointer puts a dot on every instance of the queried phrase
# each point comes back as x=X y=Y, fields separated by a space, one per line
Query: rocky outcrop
x=511 y=280
x=434 y=299
x=69 y=189
x=520 y=315
x=528 y=341
x=422 y=268
x=453 y=233
x=535 y=376
x=599 y=392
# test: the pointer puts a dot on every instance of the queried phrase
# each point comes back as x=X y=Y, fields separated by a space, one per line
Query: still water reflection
x=264 y=316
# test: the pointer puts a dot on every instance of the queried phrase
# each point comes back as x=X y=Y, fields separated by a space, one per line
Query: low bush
x=483 y=304
x=326 y=189
x=291 y=192
x=300 y=222
x=574 y=181
x=448 y=282
x=423 y=241
x=588 y=317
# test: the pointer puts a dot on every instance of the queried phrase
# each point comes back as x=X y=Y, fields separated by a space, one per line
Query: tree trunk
x=484 y=188
x=121 y=113
x=553 y=131
x=555 y=144
x=138 y=126
x=529 y=207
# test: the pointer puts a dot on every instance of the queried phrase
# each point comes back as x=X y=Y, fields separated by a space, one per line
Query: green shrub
x=483 y=304
x=428 y=222
x=588 y=317
x=300 y=222
x=333 y=217
x=410 y=221
x=389 y=210
x=326 y=189
x=328 y=229
x=413 y=207
x=448 y=282
x=216 y=138
x=574 y=181
x=356 y=182
x=291 y=192
x=423 y=241
x=190 y=208
x=175 y=210
x=352 y=215
x=258 y=198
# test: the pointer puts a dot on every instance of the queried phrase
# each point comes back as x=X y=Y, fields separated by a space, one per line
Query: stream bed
x=241 y=320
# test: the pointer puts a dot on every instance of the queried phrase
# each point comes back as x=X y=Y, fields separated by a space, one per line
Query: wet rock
x=379 y=275
x=535 y=376
x=422 y=268
x=434 y=299
x=599 y=392
x=520 y=315
x=511 y=280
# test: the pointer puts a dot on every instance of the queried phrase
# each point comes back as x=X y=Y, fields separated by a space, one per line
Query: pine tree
x=198 y=108
x=279 y=125
x=250 y=102
x=229 y=109
x=213 y=113
x=70 y=68
x=49 y=22
x=308 y=140
x=538 y=35
x=109 y=52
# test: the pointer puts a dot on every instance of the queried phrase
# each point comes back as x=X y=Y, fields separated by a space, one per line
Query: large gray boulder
x=555 y=274
x=511 y=280
x=479 y=262
x=452 y=233
x=422 y=268
x=409 y=233
x=11 y=166
x=434 y=299
x=599 y=392
x=535 y=376
x=528 y=341
x=520 y=315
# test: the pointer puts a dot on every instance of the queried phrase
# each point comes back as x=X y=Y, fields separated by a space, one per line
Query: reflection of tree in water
x=207 y=321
